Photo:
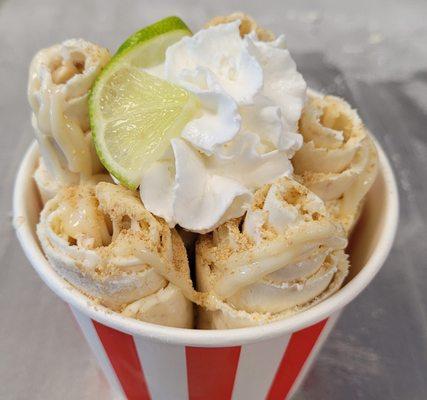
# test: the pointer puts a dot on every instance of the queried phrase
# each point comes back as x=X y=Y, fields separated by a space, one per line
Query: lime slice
x=133 y=114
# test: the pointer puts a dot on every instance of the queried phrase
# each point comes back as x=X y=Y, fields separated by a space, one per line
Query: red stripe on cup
x=211 y=372
x=296 y=354
x=121 y=351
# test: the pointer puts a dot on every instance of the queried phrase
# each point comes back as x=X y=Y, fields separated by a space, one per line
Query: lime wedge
x=133 y=114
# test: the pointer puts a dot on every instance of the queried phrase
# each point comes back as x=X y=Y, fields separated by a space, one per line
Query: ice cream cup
x=143 y=361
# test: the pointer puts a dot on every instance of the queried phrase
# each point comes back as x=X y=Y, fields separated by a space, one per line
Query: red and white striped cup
x=146 y=361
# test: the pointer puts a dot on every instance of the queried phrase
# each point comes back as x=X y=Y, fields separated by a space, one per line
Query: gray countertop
x=374 y=53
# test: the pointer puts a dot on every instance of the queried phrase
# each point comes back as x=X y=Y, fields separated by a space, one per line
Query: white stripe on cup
x=164 y=369
x=257 y=368
x=95 y=344
x=314 y=352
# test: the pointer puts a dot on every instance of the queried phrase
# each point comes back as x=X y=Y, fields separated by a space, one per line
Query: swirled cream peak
x=251 y=98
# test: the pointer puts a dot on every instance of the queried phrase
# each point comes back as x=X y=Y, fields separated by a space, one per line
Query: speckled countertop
x=374 y=53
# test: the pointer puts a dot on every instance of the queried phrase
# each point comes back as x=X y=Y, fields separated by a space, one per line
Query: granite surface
x=372 y=53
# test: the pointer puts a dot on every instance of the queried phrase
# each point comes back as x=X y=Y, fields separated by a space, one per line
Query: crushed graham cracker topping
x=218 y=253
x=111 y=221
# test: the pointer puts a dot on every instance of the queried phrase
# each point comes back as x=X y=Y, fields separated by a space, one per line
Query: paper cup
x=143 y=361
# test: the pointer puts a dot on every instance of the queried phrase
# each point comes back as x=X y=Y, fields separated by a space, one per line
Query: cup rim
x=194 y=337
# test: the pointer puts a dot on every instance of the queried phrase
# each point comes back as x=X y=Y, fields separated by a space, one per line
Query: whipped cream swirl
x=251 y=98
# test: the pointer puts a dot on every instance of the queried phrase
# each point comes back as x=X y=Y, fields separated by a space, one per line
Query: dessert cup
x=142 y=360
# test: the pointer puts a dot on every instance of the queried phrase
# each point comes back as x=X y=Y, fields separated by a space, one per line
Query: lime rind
x=152 y=31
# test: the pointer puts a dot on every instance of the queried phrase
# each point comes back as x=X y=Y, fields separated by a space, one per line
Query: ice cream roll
x=58 y=88
x=104 y=242
x=49 y=186
x=282 y=257
x=247 y=25
x=338 y=160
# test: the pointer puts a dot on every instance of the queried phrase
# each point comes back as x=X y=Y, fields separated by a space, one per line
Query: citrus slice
x=133 y=114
